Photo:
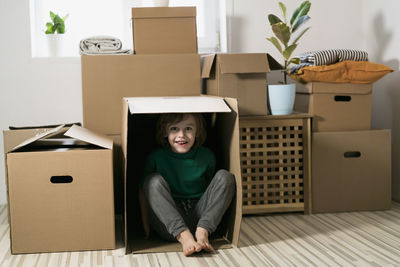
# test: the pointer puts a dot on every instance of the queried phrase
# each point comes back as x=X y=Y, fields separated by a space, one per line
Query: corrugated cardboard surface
x=351 y=181
x=336 y=107
x=241 y=76
x=163 y=30
x=223 y=138
x=107 y=79
x=69 y=216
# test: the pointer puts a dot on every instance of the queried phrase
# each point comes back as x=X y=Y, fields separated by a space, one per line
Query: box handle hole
x=61 y=179
x=342 y=98
x=352 y=154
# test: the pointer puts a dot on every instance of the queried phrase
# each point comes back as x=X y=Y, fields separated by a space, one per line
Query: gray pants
x=169 y=216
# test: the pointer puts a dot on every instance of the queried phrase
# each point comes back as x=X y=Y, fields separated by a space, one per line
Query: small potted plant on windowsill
x=281 y=97
x=55 y=31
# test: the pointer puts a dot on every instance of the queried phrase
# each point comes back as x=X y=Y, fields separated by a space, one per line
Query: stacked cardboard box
x=351 y=163
x=242 y=76
x=164 y=69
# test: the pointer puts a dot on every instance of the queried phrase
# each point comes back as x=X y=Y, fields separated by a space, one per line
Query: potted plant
x=55 y=30
x=283 y=41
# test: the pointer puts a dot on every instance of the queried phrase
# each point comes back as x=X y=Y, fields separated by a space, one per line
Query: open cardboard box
x=242 y=76
x=106 y=79
x=335 y=106
x=60 y=192
x=139 y=120
x=160 y=30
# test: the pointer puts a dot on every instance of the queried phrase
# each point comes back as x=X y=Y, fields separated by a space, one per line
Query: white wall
x=382 y=41
x=48 y=91
x=32 y=91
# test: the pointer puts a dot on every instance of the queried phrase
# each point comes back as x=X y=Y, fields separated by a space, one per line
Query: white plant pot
x=281 y=98
x=158 y=3
x=55 y=44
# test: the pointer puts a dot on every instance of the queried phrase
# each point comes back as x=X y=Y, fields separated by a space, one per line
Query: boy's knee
x=153 y=182
x=226 y=178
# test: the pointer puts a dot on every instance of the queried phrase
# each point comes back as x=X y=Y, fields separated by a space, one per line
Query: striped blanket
x=327 y=57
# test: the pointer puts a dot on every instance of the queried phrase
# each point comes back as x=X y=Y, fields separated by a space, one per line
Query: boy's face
x=181 y=135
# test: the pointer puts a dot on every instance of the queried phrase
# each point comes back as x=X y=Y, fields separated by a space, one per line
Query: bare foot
x=189 y=245
x=202 y=239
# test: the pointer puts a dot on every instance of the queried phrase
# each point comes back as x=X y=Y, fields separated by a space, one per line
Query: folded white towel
x=102 y=45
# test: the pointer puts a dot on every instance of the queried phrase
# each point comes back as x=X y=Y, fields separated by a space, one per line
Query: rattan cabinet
x=275 y=163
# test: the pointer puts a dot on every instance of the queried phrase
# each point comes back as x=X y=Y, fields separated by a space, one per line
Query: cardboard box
x=16 y=135
x=351 y=171
x=241 y=76
x=336 y=106
x=60 y=192
x=139 y=121
x=160 y=30
x=107 y=79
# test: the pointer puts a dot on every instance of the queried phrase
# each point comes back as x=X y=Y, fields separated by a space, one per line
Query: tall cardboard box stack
x=165 y=68
x=106 y=79
x=351 y=163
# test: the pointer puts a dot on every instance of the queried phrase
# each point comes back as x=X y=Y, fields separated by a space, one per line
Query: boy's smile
x=182 y=135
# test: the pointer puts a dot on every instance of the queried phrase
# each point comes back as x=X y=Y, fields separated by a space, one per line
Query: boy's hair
x=167 y=119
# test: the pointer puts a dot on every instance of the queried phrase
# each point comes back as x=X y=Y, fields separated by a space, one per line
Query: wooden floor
x=341 y=239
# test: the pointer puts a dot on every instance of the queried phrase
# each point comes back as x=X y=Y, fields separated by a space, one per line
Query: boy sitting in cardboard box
x=180 y=190
x=138 y=135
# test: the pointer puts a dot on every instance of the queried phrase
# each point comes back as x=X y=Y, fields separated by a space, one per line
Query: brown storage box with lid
x=242 y=76
x=160 y=30
x=351 y=171
x=336 y=106
x=275 y=163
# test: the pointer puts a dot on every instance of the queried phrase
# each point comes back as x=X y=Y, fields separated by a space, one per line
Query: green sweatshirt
x=188 y=175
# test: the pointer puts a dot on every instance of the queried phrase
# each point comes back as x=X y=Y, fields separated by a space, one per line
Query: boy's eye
x=188 y=128
x=173 y=129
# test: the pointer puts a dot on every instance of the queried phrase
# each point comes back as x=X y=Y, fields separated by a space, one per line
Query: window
x=112 y=17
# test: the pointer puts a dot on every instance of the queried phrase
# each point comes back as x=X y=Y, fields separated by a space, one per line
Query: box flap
x=37 y=137
x=273 y=64
x=163 y=12
x=207 y=61
x=88 y=136
x=190 y=104
x=243 y=63
x=334 y=88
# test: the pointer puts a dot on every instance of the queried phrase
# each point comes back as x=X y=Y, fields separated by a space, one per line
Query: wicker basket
x=275 y=163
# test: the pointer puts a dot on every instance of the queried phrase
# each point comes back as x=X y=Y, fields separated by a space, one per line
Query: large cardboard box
x=160 y=30
x=107 y=79
x=16 y=135
x=60 y=192
x=351 y=171
x=139 y=121
x=242 y=76
x=336 y=106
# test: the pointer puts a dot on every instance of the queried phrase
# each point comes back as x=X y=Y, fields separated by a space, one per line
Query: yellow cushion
x=343 y=72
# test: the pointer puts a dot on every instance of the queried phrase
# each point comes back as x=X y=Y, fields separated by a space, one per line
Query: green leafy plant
x=283 y=31
x=57 y=24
